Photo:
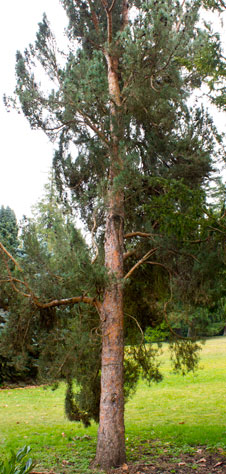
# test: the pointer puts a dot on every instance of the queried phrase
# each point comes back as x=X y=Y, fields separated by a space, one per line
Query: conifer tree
x=8 y=229
x=126 y=138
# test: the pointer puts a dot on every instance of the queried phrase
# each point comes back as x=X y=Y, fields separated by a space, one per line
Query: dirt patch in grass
x=201 y=460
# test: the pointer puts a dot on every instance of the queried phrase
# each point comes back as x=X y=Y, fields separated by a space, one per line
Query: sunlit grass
x=187 y=410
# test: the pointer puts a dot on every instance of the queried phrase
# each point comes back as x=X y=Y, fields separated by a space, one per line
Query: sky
x=26 y=155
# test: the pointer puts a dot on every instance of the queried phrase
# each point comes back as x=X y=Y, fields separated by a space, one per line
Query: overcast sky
x=26 y=155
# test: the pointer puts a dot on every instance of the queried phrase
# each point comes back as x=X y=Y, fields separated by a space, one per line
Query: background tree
x=9 y=229
x=9 y=238
x=120 y=98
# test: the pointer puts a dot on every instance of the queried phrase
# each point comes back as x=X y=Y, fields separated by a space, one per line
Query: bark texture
x=111 y=435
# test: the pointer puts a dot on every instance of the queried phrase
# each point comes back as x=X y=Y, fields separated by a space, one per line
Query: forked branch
x=142 y=260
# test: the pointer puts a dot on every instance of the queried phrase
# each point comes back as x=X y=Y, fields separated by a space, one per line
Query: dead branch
x=198 y=241
x=160 y=265
x=137 y=234
x=142 y=260
x=138 y=325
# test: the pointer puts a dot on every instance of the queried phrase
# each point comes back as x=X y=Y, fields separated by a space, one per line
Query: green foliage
x=18 y=463
x=167 y=151
x=184 y=355
x=73 y=412
x=8 y=229
x=157 y=334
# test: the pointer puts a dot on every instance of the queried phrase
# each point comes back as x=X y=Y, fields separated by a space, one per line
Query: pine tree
x=8 y=229
x=120 y=98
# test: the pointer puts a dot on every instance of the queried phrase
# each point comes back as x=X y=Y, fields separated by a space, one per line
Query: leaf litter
x=200 y=460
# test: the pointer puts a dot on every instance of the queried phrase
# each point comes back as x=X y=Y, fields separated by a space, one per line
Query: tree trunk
x=111 y=435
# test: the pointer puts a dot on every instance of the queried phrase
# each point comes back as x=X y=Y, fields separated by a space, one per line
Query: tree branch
x=67 y=302
x=109 y=18
x=129 y=254
x=90 y=124
x=137 y=234
x=10 y=256
x=138 y=325
x=112 y=6
x=142 y=260
x=94 y=17
x=34 y=298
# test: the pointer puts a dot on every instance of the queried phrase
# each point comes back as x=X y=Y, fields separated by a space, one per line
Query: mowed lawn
x=189 y=410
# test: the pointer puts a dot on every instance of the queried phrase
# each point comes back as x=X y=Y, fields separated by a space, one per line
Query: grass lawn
x=178 y=412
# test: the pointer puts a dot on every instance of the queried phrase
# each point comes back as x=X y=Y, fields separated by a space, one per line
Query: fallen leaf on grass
x=181 y=423
x=81 y=437
x=201 y=460
x=218 y=464
x=182 y=464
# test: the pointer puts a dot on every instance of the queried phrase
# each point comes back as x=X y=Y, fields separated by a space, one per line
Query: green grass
x=179 y=411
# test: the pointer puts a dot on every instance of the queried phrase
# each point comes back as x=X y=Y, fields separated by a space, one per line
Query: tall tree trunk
x=111 y=434
x=111 y=437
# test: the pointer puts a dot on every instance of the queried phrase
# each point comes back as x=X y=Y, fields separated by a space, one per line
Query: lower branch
x=67 y=302
x=33 y=297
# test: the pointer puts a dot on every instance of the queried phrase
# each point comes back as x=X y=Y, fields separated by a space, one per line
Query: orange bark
x=111 y=435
